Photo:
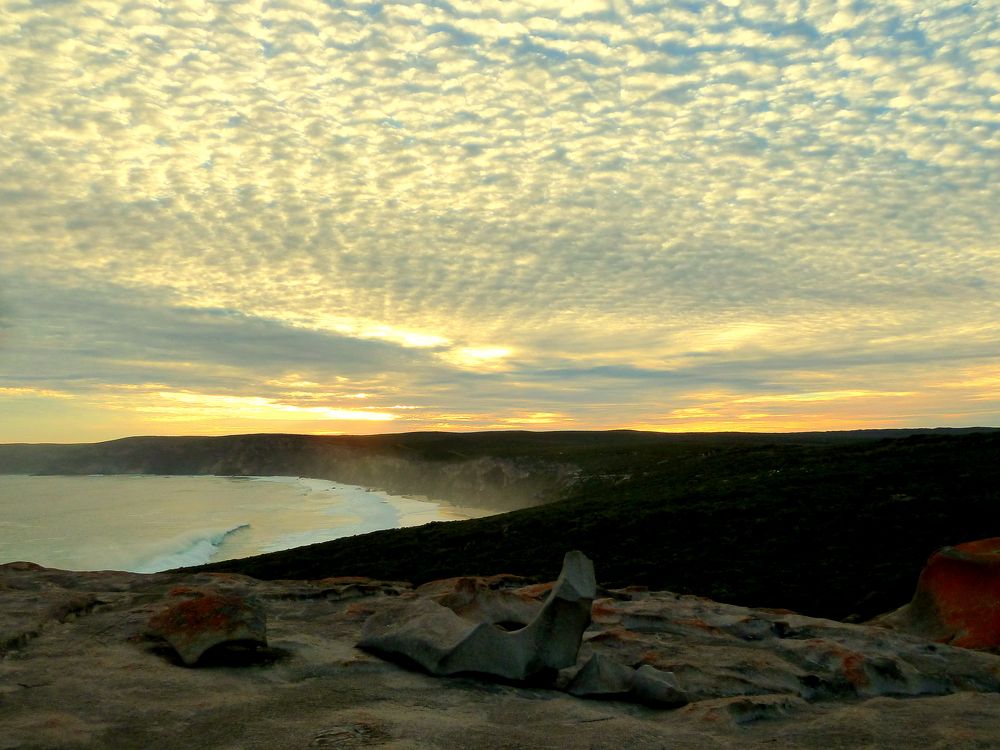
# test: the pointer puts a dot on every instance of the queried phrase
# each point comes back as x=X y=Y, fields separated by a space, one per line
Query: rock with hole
x=443 y=642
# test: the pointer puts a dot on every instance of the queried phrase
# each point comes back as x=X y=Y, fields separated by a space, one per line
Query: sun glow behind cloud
x=478 y=357
x=200 y=406
x=498 y=213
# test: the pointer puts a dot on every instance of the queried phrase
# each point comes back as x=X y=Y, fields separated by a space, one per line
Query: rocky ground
x=79 y=668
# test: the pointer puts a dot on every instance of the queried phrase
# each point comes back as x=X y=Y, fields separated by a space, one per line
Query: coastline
x=152 y=522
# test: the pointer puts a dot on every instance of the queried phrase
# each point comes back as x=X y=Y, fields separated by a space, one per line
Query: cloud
x=187 y=406
x=379 y=192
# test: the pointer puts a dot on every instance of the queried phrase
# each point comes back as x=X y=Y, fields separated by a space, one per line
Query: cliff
x=402 y=465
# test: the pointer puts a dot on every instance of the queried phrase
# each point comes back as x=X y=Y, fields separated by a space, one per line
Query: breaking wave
x=196 y=548
x=147 y=523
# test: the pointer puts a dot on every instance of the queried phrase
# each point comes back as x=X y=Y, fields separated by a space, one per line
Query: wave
x=149 y=523
x=196 y=548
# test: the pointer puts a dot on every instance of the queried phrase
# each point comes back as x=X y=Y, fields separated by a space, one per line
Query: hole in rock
x=510 y=625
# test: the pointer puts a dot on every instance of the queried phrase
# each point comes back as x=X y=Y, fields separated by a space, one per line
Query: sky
x=368 y=217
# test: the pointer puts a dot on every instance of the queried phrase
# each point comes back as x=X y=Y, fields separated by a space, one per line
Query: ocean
x=145 y=523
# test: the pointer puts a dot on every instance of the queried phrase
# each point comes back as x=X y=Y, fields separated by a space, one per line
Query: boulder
x=194 y=626
x=443 y=642
x=604 y=677
x=957 y=600
x=656 y=688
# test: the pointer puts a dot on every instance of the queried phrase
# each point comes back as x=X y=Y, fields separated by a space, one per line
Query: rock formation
x=957 y=600
x=78 y=669
x=208 y=620
x=443 y=642
x=603 y=677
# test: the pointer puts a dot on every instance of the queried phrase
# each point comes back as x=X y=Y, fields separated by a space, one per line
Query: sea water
x=145 y=523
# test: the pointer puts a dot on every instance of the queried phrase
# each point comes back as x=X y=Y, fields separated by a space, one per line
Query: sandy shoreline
x=147 y=522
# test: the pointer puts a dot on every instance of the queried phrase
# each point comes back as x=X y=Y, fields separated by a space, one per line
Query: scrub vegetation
x=835 y=525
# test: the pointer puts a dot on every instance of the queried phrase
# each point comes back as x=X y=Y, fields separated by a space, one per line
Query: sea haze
x=145 y=523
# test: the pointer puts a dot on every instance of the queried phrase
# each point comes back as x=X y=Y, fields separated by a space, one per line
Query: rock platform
x=80 y=668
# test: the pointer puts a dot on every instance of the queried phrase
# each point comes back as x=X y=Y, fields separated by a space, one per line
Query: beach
x=146 y=523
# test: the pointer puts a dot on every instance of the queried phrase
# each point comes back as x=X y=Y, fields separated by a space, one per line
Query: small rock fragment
x=656 y=687
x=602 y=676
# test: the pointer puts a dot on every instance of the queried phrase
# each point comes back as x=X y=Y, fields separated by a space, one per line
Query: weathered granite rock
x=84 y=676
x=193 y=626
x=603 y=677
x=717 y=650
x=443 y=642
x=957 y=600
x=485 y=599
x=743 y=710
x=655 y=687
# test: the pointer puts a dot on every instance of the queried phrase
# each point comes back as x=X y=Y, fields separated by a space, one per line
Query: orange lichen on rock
x=185 y=591
x=964 y=585
x=604 y=612
x=193 y=626
x=535 y=590
x=665 y=661
x=358 y=611
x=957 y=600
x=853 y=667
x=613 y=634
x=698 y=624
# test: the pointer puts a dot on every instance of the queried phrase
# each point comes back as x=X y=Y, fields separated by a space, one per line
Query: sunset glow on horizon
x=327 y=216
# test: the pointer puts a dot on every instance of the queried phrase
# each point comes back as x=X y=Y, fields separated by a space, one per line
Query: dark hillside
x=828 y=529
x=498 y=470
x=833 y=524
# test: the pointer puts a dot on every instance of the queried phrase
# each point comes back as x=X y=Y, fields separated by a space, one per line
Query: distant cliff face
x=503 y=483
